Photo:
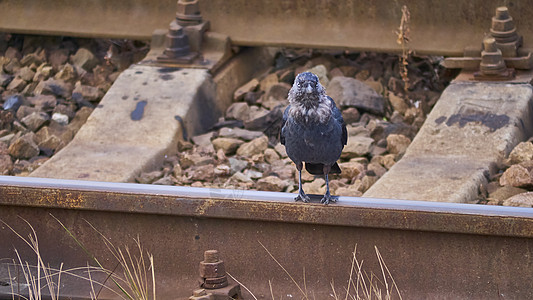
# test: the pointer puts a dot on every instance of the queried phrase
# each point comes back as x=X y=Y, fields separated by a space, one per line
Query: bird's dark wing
x=338 y=116
x=284 y=120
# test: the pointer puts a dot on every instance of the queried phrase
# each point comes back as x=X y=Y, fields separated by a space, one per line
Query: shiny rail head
x=260 y=196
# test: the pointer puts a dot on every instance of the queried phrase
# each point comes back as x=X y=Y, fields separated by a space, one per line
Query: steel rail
x=439 y=27
x=266 y=206
x=472 y=251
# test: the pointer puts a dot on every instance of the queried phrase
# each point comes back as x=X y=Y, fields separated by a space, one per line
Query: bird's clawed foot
x=328 y=198
x=302 y=197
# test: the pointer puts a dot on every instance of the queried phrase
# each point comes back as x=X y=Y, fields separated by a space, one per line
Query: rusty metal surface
x=475 y=252
x=444 y=27
x=265 y=206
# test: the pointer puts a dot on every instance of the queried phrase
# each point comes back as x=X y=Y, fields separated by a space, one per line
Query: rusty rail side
x=470 y=251
x=265 y=206
x=444 y=27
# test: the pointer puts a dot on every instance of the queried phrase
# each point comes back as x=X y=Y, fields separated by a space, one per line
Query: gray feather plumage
x=313 y=128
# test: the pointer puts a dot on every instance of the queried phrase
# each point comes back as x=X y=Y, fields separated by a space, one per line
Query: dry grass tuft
x=403 y=34
x=137 y=281
x=361 y=285
x=138 y=274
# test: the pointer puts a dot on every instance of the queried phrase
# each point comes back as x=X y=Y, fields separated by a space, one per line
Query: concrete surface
x=138 y=120
x=473 y=126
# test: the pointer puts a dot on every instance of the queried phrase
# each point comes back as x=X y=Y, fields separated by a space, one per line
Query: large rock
x=238 y=111
x=351 y=115
x=24 y=147
x=398 y=103
x=239 y=133
x=237 y=165
x=517 y=176
x=521 y=200
x=201 y=173
x=521 y=152
x=43 y=72
x=195 y=159
x=271 y=155
x=256 y=146
x=149 y=177
x=35 y=120
x=276 y=95
x=397 y=144
x=268 y=81
x=250 y=86
x=43 y=102
x=351 y=190
x=350 y=92
x=377 y=168
x=272 y=183
x=203 y=140
x=505 y=192
x=89 y=93
x=85 y=59
x=283 y=171
x=317 y=186
x=67 y=73
x=31 y=58
x=17 y=84
x=357 y=146
x=351 y=169
x=265 y=120
x=282 y=151
x=58 y=57
x=54 y=87
x=228 y=145
x=54 y=137
x=26 y=74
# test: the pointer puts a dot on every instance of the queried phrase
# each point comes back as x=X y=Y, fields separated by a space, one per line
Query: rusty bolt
x=502 y=21
x=178 y=42
x=491 y=58
x=188 y=7
x=188 y=13
x=492 y=66
x=503 y=30
x=213 y=271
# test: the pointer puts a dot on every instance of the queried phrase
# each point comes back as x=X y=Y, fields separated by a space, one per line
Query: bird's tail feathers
x=318 y=169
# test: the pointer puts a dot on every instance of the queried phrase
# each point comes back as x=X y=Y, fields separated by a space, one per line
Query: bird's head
x=308 y=99
x=306 y=90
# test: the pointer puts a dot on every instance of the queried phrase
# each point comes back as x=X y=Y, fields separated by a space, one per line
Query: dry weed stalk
x=41 y=277
x=134 y=284
x=368 y=287
x=361 y=285
x=403 y=34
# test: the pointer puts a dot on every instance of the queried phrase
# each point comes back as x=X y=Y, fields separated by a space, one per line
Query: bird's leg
x=327 y=196
x=301 y=195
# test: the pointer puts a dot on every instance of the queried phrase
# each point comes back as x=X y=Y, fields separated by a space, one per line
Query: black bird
x=313 y=131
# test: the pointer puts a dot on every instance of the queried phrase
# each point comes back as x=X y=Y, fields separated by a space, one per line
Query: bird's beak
x=309 y=89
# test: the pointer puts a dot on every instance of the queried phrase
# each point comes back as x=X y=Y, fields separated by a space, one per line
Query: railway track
x=434 y=250
x=471 y=251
